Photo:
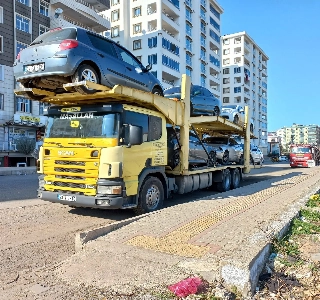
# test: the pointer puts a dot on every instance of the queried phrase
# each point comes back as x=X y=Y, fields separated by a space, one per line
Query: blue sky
x=288 y=31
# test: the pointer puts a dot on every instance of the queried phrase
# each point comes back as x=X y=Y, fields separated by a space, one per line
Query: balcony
x=152 y=25
x=214 y=73
x=237 y=99
x=68 y=22
x=169 y=79
x=203 y=3
x=188 y=3
x=247 y=44
x=86 y=11
x=169 y=18
x=152 y=9
x=171 y=6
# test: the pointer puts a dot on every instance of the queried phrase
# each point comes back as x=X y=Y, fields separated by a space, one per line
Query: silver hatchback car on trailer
x=71 y=54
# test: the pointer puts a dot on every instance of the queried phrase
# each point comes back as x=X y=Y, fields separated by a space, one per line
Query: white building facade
x=21 y=21
x=244 y=80
x=174 y=36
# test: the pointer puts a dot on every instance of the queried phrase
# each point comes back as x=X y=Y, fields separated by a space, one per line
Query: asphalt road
x=23 y=187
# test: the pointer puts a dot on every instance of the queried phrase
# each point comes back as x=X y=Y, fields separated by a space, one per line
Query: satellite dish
x=58 y=12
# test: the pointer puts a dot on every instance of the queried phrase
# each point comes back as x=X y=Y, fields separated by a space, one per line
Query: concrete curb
x=84 y=237
x=5 y=171
x=245 y=278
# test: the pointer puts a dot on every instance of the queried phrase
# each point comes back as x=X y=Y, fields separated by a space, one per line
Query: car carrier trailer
x=109 y=149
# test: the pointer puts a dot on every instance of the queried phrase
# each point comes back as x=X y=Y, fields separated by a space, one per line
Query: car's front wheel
x=85 y=73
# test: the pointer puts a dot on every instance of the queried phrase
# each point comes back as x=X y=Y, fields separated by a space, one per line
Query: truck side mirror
x=133 y=135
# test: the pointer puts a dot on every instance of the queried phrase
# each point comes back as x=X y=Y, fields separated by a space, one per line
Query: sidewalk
x=226 y=236
x=17 y=170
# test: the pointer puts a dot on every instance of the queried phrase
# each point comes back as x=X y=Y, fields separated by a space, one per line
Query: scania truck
x=110 y=149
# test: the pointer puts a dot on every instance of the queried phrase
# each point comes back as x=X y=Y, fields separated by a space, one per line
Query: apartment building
x=174 y=36
x=244 y=82
x=299 y=134
x=21 y=21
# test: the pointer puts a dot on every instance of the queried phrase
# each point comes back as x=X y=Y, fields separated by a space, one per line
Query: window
x=1 y=101
x=42 y=29
x=189 y=72
x=136 y=44
x=137 y=28
x=42 y=107
x=203 y=67
x=137 y=11
x=226 y=90
x=237 y=70
x=226 y=42
x=226 y=51
x=139 y=58
x=23 y=105
x=226 y=61
x=203 y=54
x=166 y=44
x=115 y=2
x=226 y=71
x=25 y=2
x=214 y=61
x=203 y=80
x=20 y=46
x=102 y=44
x=128 y=58
x=226 y=100
x=170 y=63
x=115 y=31
x=1 y=44
x=214 y=24
x=22 y=23
x=188 y=29
x=237 y=89
x=152 y=42
x=214 y=11
x=151 y=125
x=189 y=44
x=1 y=73
x=188 y=59
x=115 y=15
x=226 y=80
x=44 y=8
x=203 y=27
x=152 y=59
x=189 y=15
x=1 y=14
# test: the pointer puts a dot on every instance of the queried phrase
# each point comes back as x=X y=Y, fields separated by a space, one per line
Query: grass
x=314 y=201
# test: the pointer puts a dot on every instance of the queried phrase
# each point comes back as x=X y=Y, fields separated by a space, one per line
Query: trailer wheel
x=225 y=184
x=235 y=178
x=151 y=196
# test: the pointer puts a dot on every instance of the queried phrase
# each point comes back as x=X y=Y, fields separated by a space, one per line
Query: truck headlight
x=109 y=190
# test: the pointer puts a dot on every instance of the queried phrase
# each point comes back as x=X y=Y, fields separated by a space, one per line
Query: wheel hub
x=152 y=197
x=88 y=75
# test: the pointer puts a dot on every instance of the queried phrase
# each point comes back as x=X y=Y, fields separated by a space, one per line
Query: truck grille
x=77 y=174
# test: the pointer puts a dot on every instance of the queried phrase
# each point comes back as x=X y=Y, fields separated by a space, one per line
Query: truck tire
x=235 y=178
x=151 y=196
x=225 y=184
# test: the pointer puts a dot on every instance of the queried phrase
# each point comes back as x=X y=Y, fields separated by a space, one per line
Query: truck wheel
x=241 y=160
x=85 y=73
x=225 y=158
x=225 y=184
x=151 y=196
x=235 y=178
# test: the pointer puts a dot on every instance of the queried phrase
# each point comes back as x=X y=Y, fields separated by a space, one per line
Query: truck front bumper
x=106 y=202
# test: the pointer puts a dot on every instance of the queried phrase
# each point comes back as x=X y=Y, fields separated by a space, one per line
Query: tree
x=25 y=145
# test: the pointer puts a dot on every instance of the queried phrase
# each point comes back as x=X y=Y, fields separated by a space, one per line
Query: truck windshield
x=83 y=125
x=300 y=150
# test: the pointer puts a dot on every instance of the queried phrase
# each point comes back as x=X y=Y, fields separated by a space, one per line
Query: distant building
x=274 y=144
x=299 y=134
x=244 y=82
x=21 y=21
x=174 y=36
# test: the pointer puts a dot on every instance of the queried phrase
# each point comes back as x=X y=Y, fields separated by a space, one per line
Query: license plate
x=67 y=198
x=34 y=68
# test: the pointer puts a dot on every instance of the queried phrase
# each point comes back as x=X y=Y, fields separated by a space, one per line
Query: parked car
x=283 y=158
x=231 y=151
x=197 y=155
x=235 y=113
x=71 y=54
x=203 y=102
x=256 y=155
